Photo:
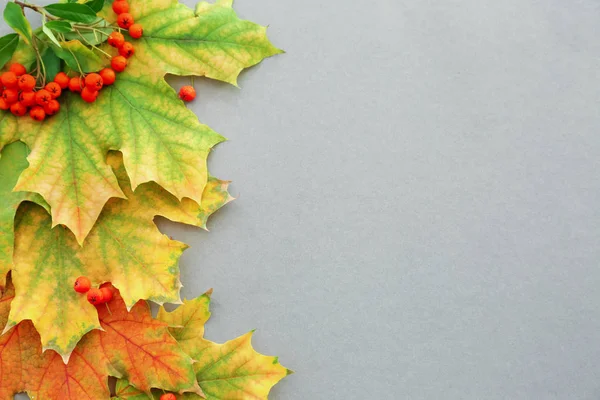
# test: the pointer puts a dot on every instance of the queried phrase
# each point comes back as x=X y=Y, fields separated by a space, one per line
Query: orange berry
x=27 y=98
x=108 y=76
x=75 y=84
x=116 y=39
x=126 y=50
x=82 y=284
x=120 y=6
x=54 y=89
x=136 y=31
x=94 y=82
x=3 y=104
x=43 y=97
x=18 y=69
x=187 y=93
x=52 y=107
x=88 y=95
x=11 y=96
x=168 y=396
x=26 y=82
x=9 y=80
x=94 y=296
x=118 y=63
x=62 y=79
x=107 y=293
x=18 y=109
x=37 y=113
x=125 y=20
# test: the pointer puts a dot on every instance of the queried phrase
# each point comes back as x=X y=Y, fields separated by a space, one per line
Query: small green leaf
x=95 y=5
x=51 y=64
x=78 y=57
x=8 y=45
x=13 y=15
x=59 y=26
x=50 y=35
x=73 y=12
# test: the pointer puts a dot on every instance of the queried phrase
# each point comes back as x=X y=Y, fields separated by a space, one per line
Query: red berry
x=125 y=20
x=43 y=97
x=82 y=284
x=126 y=50
x=118 y=63
x=9 y=80
x=26 y=82
x=62 y=79
x=120 y=6
x=75 y=84
x=136 y=31
x=3 y=104
x=107 y=293
x=37 y=113
x=11 y=96
x=52 y=107
x=54 y=89
x=168 y=396
x=116 y=39
x=89 y=95
x=18 y=109
x=18 y=69
x=93 y=82
x=27 y=98
x=108 y=76
x=94 y=296
x=187 y=93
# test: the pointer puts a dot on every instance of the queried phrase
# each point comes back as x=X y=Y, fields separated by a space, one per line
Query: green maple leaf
x=12 y=163
x=229 y=371
x=124 y=247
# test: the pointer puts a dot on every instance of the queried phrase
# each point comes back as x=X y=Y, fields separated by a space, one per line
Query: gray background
x=417 y=188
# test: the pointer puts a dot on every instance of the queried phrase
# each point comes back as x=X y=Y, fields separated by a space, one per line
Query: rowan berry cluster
x=94 y=296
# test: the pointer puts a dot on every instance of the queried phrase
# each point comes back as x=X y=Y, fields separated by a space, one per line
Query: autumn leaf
x=125 y=247
x=230 y=371
x=133 y=346
x=12 y=163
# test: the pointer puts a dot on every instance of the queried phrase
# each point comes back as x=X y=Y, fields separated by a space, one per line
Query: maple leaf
x=125 y=247
x=133 y=346
x=230 y=371
x=12 y=163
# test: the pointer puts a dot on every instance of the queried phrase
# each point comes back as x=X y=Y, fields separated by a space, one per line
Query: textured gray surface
x=418 y=199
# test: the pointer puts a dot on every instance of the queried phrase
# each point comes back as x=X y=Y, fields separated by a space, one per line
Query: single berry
x=82 y=284
x=89 y=95
x=126 y=50
x=3 y=104
x=136 y=31
x=125 y=20
x=26 y=82
x=94 y=82
x=187 y=93
x=18 y=109
x=62 y=79
x=107 y=294
x=43 y=97
x=54 y=89
x=9 y=80
x=37 y=113
x=120 y=7
x=75 y=84
x=116 y=39
x=108 y=76
x=168 y=396
x=18 y=69
x=27 y=98
x=94 y=296
x=11 y=96
x=52 y=107
x=118 y=63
